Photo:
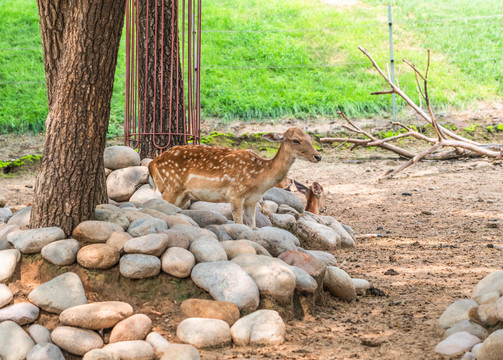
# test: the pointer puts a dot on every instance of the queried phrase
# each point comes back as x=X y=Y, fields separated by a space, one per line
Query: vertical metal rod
x=392 y=60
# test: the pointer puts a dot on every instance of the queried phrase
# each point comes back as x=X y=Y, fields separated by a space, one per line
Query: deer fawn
x=314 y=195
x=217 y=174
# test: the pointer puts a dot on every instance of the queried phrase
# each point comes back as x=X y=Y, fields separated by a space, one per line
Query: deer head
x=314 y=195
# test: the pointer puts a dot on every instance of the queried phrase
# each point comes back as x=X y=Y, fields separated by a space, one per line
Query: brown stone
x=117 y=240
x=485 y=314
x=93 y=231
x=98 y=256
x=135 y=327
x=306 y=262
x=211 y=309
x=176 y=238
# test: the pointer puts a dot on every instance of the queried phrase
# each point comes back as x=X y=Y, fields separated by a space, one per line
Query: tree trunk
x=158 y=58
x=80 y=55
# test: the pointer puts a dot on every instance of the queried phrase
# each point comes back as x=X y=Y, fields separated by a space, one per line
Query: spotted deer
x=218 y=174
x=314 y=195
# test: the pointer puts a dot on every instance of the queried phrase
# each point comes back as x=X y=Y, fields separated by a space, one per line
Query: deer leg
x=237 y=210
x=249 y=215
x=174 y=197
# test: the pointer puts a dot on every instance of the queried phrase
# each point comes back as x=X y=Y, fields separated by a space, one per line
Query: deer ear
x=317 y=189
x=302 y=188
x=274 y=137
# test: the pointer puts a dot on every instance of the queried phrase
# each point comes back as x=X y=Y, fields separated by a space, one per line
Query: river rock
x=162 y=206
x=131 y=350
x=284 y=221
x=272 y=276
x=227 y=281
x=5 y=295
x=21 y=313
x=39 y=333
x=492 y=348
x=5 y=214
x=339 y=284
x=151 y=244
x=4 y=231
x=280 y=196
x=113 y=216
x=346 y=239
x=143 y=194
x=323 y=256
x=467 y=326
x=234 y=248
x=61 y=252
x=96 y=316
x=98 y=256
x=260 y=219
x=274 y=240
x=92 y=231
x=486 y=314
x=263 y=327
x=177 y=262
x=235 y=230
x=456 y=312
x=45 y=351
x=222 y=208
x=179 y=219
x=210 y=309
x=304 y=283
x=15 y=343
x=207 y=249
x=21 y=218
x=491 y=283
x=135 y=327
x=181 y=352
x=158 y=343
x=122 y=183
x=269 y=207
x=8 y=262
x=457 y=344
x=32 y=241
x=139 y=266
x=146 y=226
x=135 y=214
x=205 y=217
x=317 y=236
x=176 y=238
x=285 y=209
x=361 y=285
x=62 y=292
x=76 y=341
x=489 y=298
x=193 y=233
x=118 y=157
x=117 y=240
x=307 y=262
x=204 y=332
x=259 y=249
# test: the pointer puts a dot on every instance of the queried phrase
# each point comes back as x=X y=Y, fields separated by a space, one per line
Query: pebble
x=206 y=249
x=39 y=333
x=176 y=238
x=99 y=354
x=317 y=236
x=146 y=226
x=61 y=252
x=151 y=244
x=135 y=327
x=456 y=312
x=227 y=281
x=92 y=231
x=492 y=348
x=5 y=295
x=117 y=240
x=122 y=183
x=468 y=326
x=96 y=316
x=76 y=341
x=15 y=343
x=259 y=249
x=158 y=343
x=304 y=283
x=204 y=332
x=118 y=157
x=143 y=194
x=307 y=262
x=274 y=240
x=8 y=262
x=284 y=221
x=222 y=208
x=98 y=256
x=491 y=283
x=21 y=313
x=205 y=218
x=280 y=196
x=339 y=284
x=113 y=216
x=139 y=266
x=210 y=309
x=21 y=218
x=45 y=351
x=32 y=241
x=178 y=262
x=272 y=276
x=263 y=327
x=131 y=350
x=234 y=248
x=457 y=344
x=181 y=352
x=162 y=206
x=62 y=292
x=193 y=233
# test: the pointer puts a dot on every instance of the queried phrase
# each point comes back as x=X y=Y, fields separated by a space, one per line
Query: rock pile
x=473 y=326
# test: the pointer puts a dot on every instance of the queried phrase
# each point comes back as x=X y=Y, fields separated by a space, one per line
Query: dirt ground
x=441 y=230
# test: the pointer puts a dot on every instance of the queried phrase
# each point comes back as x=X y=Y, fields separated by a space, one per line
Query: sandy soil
x=441 y=227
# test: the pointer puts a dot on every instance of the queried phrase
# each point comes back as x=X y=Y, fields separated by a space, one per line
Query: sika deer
x=218 y=174
x=314 y=195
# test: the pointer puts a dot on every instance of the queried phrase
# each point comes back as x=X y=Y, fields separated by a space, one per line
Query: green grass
x=251 y=71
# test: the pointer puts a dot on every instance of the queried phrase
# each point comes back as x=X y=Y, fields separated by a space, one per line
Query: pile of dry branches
x=462 y=147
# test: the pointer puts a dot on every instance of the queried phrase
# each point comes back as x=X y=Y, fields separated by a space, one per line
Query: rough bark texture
x=159 y=57
x=80 y=55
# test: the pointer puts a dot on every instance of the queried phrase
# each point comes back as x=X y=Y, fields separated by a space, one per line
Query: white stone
x=222 y=208
x=207 y=249
x=151 y=244
x=139 y=266
x=339 y=284
x=304 y=283
x=234 y=248
x=122 y=183
x=96 y=316
x=158 y=343
x=491 y=283
x=45 y=351
x=15 y=343
x=263 y=327
x=131 y=350
x=61 y=252
x=181 y=352
x=21 y=218
x=457 y=344
x=5 y=295
x=468 y=326
x=456 y=312
x=75 y=340
x=361 y=285
x=144 y=194
x=8 y=262
x=21 y=313
x=32 y=241
x=317 y=236
x=204 y=332
x=178 y=262
x=39 y=333
x=135 y=327
x=118 y=157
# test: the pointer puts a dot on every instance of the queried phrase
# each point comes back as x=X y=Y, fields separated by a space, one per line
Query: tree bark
x=152 y=58
x=81 y=43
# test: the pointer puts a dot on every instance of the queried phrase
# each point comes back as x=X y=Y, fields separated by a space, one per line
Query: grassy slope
x=296 y=85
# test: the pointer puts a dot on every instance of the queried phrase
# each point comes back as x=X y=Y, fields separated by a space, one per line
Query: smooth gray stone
x=235 y=230
x=113 y=216
x=193 y=233
x=138 y=266
x=219 y=232
x=5 y=295
x=61 y=252
x=178 y=262
x=286 y=209
x=75 y=340
x=158 y=343
x=456 y=312
x=21 y=218
x=260 y=219
x=39 y=333
x=131 y=350
x=93 y=231
x=227 y=281
x=162 y=206
x=284 y=221
x=490 y=283
x=235 y=248
x=45 y=351
x=151 y=244
x=346 y=239
x=280 y=196
x=32 y=241
x=317 y=236
x=8 y=262
x=21 y=313
x=492 y=348
x=304 y=283
x=205 y=218
x=457 y=344
x=62 y=292
x=222 y=208
x=339 y=284
x=259 y=249
x=5 y=214
x=263 y=327
x=204 y=332
x=207 y=249
x=323 y=256
x=468 y=326
x=146 y=226
x=119 y=157
x=143 y=194
x=15 y=343
x=275 y=240
x=122 y=183
x=4 y=231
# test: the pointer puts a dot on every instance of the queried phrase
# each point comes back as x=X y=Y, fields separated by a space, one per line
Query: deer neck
x=279 y=166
